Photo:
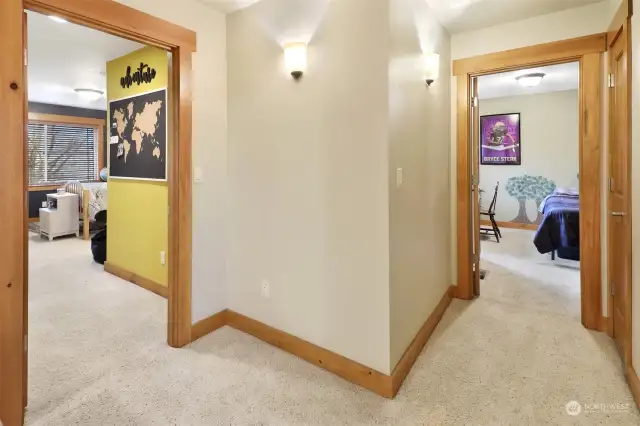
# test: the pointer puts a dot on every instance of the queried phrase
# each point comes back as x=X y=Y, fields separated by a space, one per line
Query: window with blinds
x=59 y=153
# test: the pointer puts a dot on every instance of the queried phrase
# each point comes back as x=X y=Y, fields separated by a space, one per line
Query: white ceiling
x=459 y=15
x=557 y=78
x=229 y=6
x=64 y=56
x=466 y=15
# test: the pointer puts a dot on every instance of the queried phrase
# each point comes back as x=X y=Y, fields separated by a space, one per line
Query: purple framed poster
x=500 y=140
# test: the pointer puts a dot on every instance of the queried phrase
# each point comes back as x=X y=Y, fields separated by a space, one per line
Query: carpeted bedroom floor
x=515 y=356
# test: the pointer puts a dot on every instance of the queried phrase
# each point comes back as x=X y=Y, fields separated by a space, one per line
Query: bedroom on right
x=528 y=182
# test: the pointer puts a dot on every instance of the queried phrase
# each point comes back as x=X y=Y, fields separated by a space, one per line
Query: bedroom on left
x=529 y=171
x=97 y=142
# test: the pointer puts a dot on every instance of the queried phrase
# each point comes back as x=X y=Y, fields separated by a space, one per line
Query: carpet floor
x=515 y=356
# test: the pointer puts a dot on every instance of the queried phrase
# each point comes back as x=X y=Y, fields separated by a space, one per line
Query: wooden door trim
x=590 y=159
x=624 y=12
x=540 y=54
x=588 y=51
x=623 y=19
x=123 y=21
x=13 y=212
x=463 y=185
x=119 y=20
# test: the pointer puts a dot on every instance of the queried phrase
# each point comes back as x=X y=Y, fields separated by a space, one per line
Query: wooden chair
x=491 y=212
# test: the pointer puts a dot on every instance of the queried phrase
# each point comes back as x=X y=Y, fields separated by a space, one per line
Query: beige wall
x=635 y=185
x=419 y=145
x=209 y=146
x=549 y=135
x=308 y=173
x=570 y=23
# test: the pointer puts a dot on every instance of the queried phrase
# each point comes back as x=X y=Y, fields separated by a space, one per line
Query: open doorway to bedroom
x=529 y=186
x=120 y=20
x=96 y=144
x=588 y=53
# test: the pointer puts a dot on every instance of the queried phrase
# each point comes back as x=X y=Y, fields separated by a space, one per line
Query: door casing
x=123 y=21
x=588 y=52
x=620 y=29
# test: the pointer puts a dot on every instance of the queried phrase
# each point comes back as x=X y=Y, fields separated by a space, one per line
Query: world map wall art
x=500 y=140
x=138 y=137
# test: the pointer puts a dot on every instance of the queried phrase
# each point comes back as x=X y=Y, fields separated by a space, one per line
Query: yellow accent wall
x=138 y=221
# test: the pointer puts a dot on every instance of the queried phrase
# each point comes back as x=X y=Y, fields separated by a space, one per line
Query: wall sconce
x=295 y=59
x=431 y=64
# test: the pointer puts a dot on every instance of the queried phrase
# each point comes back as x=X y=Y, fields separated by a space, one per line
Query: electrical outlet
x=163 y=257
x=265 y=289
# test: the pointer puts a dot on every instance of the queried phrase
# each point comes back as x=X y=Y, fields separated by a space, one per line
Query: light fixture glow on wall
x=89 y=94
x=530 y=80
x=57 y=19
x=431 y=64
x=295 y=59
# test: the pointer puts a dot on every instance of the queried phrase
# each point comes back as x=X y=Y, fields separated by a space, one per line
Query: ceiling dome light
x=89 y=94
x=57 y=19
x=530 y=80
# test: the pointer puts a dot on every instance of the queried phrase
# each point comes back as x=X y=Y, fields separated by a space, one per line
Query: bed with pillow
x=559 y=230
x=93 y=198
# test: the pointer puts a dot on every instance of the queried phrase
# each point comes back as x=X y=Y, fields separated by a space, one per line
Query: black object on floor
x=483 y=273
x=99 y=240
x=99 y=246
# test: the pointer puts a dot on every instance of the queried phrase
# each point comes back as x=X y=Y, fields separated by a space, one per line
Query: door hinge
x=610 y=80
x=610 y=184
x=474 y=101
x=25 y=57
x=611 y=289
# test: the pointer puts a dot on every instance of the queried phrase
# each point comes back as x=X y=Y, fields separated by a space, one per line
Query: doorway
x=129 y=23
x=528 y=185
x=587 y=51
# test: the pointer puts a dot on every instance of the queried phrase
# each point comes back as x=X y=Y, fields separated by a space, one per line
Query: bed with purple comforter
x=560 y=227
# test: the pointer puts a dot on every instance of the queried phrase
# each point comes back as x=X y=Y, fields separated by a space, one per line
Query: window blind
x=59 y=153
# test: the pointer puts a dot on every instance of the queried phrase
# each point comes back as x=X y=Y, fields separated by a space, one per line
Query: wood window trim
x=97 y=123
x=588 y=51
x=123 y=21
x=34 y=188
x=67 y=119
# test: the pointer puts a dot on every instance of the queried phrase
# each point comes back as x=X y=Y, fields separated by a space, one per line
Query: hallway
x=499 y=360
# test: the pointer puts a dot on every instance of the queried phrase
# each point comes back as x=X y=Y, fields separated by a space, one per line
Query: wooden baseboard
x=145 y=283
x=34 y=219
x=323 y=358
x=380 y=383
x=208 y=325
x=511 y=225
x=415 y=348
x=634 y=384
